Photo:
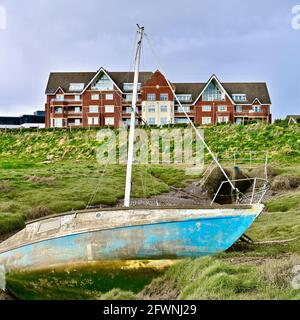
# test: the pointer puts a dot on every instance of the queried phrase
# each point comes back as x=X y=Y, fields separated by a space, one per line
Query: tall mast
x=132 y=121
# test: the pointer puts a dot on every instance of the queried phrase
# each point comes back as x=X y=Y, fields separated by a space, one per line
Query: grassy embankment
x=29 y=187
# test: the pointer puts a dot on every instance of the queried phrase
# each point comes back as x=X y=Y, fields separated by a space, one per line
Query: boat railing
x=259 y=188
x=248 y=159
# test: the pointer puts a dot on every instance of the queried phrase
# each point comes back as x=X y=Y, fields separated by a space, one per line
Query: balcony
x=251 y=113
x=59 y=102
x=184 y=109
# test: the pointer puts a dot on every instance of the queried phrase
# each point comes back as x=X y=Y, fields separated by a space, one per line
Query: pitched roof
x=63 y=79
x=253 y=90
x=189 y=88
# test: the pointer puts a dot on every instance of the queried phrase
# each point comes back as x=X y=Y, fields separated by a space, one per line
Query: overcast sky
x=238 y=40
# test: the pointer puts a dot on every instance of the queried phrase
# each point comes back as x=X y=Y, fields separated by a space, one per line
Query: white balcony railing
x=66 y=100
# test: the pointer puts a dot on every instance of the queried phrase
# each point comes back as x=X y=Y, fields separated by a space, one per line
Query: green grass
x=67 y=185
x=255 y=271
x=88 y=282
x=286 y=202
x=282 y=142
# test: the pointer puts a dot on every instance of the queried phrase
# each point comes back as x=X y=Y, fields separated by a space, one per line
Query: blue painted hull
x=164 y=240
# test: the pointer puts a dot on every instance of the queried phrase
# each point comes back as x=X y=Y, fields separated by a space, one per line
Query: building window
x=109 y=109
x=181 y=120
x=60 y=97
x=206 y=120
x=256 y=108
x=109 y=121
x=76 y=98
x=222 y=108
x=93 y=121
x=164 y=97
x=152 y=121
x=223 y=119
x=77 y=122
x=184 y=97
x=128 y=97
x=163 y=108
x=213 y=93
x=239 y=97
x=104 y=84
x=58 y=110
x=129 y=87
x=151 y=109
x=76 y=86
x=184 y=109
x=151 y=96
x=238 y=108
x=95 y=96
x=58 y=123
x=164 y=121
x=239 y=120
x=93 y=109
x=109 y=97
x=77 y=110
x=206 y=108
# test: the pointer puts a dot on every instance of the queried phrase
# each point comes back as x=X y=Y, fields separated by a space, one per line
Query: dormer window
x=129 y=87
x=239 y=97
x=184 y=97
x=77 y=87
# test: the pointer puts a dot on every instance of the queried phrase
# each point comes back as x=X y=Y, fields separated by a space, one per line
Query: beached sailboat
x=131 y=233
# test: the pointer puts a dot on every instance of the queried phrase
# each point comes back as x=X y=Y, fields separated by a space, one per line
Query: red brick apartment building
x=103 y=98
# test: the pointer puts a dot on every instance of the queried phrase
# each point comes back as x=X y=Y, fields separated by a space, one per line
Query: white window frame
x=60 y=97
x=151 y=109
x=95 y=96
x=109 y=109
x=206 y=108
x=76 y=87
x=164 y=121
x=184 y=97
x=109 y=96
x=152 y=121
x=223 y=119
x=92 y=109
x=239 y=97
x=152 y=95
x=77 y=98
x=256 y=109
x=128 y=86
x=164 y=97
x=238 y=108
x=77 y=122
x=206 y=120
x=58 y=120
x=109 y=121
x=58 y=110
x=164 y=109
x=222 y=108
x=93 y=121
